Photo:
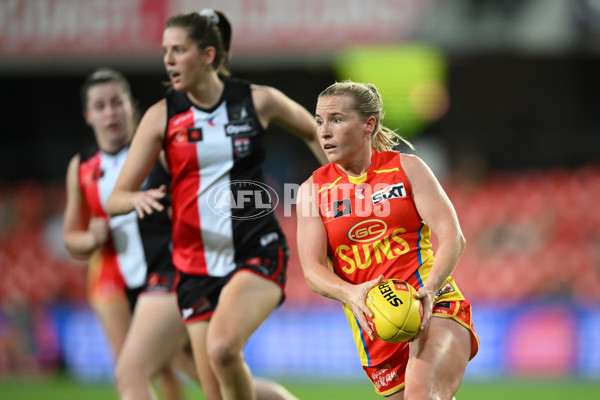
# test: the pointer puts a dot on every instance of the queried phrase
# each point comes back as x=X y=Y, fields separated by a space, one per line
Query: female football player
x=130 y=264
x=397 y=202
x=231 y=258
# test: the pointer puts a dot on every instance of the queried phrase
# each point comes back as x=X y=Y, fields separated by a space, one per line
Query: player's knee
x=127 y=376
x=425 y=392
x=123 y=378
x=223 y=352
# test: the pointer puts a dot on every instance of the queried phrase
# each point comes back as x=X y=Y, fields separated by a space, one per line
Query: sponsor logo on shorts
x=447 y=288
x=187 y=312
x=383 y=377
x=157 y=281
x=199 y=308
x=443 y=304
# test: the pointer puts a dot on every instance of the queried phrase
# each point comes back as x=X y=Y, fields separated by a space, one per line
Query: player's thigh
x=198 y=331
x=439 y=356
x=156 y=334
x=244 y=304
x=114 y=315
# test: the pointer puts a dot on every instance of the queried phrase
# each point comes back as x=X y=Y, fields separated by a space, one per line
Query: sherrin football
x=396 y=313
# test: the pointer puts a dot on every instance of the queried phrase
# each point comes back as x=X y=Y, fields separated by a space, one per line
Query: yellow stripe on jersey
x=330 y=186
x=424 y=244
x=383 y=171
x=357 y=179
x=359 y=340
x=330 y=263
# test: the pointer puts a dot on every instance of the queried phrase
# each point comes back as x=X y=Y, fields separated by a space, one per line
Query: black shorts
x=132 y=296
x=161 y=282
x=157 y=282
x=198 y=295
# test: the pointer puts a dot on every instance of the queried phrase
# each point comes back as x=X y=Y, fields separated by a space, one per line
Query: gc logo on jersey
x=390 y=192
x=367 y=231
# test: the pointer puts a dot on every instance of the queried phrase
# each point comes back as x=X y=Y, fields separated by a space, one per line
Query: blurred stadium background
x=501 y=98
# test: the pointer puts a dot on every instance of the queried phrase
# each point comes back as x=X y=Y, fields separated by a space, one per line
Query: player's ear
x=210 y=53
x=86 y=117
x=370 y=125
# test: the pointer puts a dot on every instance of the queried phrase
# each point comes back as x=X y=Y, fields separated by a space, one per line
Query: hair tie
x=210 y=14
x=103 y=74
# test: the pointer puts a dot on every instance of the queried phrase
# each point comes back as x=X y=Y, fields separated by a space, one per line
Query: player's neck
x=208 y=92
x=358 y=165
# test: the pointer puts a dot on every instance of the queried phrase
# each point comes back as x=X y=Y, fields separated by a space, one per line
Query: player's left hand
x=145 y=202
x=426 y=296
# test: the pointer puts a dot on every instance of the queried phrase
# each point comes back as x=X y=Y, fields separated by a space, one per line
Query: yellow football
x=396 y=313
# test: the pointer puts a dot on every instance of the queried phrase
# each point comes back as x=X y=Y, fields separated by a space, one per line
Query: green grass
x=558 y=389
x=63 y=388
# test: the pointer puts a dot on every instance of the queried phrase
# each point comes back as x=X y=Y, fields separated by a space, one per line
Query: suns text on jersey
x=362 y=256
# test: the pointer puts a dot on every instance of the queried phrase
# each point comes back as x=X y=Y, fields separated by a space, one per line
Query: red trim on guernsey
x=272 y=278
x=183 y=161
x=202 y=317
x=88 y=183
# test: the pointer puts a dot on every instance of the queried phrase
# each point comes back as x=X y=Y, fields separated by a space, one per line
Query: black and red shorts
x=198 y=295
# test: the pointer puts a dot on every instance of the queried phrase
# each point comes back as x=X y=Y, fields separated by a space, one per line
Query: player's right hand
x=99 y=229
x=359 y=306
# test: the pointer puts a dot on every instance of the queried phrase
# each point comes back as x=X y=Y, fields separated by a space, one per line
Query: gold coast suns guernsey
x=222 y=206
x=373 y=228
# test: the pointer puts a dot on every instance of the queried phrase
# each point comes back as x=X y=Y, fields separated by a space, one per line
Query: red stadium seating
x=532 y=234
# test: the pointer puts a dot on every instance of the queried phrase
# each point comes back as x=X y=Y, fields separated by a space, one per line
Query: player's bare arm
x=312 y=249
x=81 y=235
x=274 y=106
x=144 y=151
x=437 y=211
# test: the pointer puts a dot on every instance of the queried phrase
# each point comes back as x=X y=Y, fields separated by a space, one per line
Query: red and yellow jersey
x=373 y=228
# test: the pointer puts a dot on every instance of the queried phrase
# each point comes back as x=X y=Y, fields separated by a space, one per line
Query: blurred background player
x=130 y=262
x=368 y=183
x=231 y=268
